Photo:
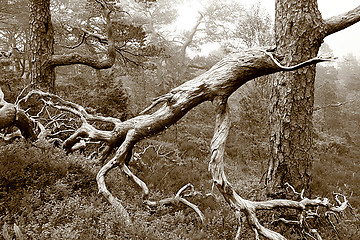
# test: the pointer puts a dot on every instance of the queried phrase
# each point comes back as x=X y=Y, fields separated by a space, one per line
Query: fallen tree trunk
x=215 y=85
x=220 y=81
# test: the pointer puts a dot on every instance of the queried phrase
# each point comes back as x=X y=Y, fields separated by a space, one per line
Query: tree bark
x=44 y=61
x=299 y=32
x=220 y=81
x=342 y=21
x=41 y=44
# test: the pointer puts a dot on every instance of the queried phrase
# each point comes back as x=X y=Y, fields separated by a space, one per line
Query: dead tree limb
x=118 y=159
x=176 y=199
x=12 y=115
x=72 y=143
x=221 y=80
x=215 y=85
x=70 y=107
x=342 y=21
x=77 y=58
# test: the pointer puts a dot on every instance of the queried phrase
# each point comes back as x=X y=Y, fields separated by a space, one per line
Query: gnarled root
x=249 y=208
x=176 y=199
x=119 y=159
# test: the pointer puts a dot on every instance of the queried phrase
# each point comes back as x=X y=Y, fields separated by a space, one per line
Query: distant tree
x=235 y=26
x=349 y=73
x=326 y=97
x=14 y=19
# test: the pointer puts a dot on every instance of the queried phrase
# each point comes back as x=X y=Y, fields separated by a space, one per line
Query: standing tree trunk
x=43 y=59
x=299 y=32
x=41 y=44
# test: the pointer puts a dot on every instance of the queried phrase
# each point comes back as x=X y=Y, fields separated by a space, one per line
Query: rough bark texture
x=89 y=60
x=250 y=208
x=220 y=81
x=292 y=109
x=41 y=44
x=299 y=32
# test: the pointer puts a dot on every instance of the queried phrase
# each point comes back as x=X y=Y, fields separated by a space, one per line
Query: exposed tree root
x=215 y=85
x=249 y=208
x=118 y=160
x=176 y=199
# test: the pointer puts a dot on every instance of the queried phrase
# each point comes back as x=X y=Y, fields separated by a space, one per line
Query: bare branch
x=189 y=39
x=298 y=66
x=119 y=158
x=137 y=180
x=177 y=198
x=342 y=205
x=238 y=232
x=86 y=130
x=332 y=105
x=102 y=39
x=215 y=85
x=342 y=21
x=76 y=58
x=2 y=100
x=70 y=107
x=79 y=43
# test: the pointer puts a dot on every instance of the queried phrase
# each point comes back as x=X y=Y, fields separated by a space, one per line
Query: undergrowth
x=52 y=195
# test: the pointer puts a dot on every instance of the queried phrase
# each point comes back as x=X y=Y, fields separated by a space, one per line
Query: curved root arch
x=249 y=208
x=216 y=167
x=120 y=158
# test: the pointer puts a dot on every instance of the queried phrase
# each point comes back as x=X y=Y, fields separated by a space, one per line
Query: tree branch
x=2 y=100
x=11 y=115
x=79 y=43
x=331 y=105
x=70 y=107
x=76 y=58
x=178 y=198
x=217 y=84
x=189 y=38
x=342 y=21
x=118 y=160
x=249 y=208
